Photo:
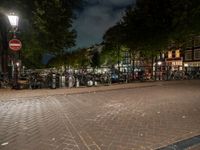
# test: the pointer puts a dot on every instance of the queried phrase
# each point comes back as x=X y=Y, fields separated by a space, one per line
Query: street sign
x=15 y=44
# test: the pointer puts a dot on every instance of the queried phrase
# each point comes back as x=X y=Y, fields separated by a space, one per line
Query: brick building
x=192 y=55
x=174 y=59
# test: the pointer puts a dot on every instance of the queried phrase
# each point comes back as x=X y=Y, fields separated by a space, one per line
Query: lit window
x=163 y=55
x=169 y=54
x=177 y=53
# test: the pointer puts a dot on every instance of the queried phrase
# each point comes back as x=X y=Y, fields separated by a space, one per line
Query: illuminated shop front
x=192 y=58
x=174 y=59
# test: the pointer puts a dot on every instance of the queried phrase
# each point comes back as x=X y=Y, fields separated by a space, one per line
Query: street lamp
x=14 y=20
x=186 y=67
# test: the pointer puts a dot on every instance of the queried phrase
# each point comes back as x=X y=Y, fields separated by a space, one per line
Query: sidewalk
x=12 y=94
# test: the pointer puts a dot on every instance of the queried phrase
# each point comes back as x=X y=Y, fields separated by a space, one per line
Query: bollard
x=77 y=82
x=62 y=81
x=53 y=84
x=95 y=83
x=90 y=83
x=70 y=82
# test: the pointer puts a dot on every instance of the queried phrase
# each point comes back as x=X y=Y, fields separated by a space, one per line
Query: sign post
x=15 y=45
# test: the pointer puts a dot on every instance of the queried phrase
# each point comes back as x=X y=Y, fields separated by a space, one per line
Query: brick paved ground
x=125 y=119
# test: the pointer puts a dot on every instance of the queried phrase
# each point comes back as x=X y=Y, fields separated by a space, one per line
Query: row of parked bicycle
x=53 y=79
x=181 y=75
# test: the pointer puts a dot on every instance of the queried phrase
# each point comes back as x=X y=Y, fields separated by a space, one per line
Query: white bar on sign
x=15 y=44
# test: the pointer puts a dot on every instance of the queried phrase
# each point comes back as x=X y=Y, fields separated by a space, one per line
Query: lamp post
x=160 y=70
x=15 y=46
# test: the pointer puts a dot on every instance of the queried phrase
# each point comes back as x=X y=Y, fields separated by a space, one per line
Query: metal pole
x=118 y=58
x=156 y=69
x=15 y=84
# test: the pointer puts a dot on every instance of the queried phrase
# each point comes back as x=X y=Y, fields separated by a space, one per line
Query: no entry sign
x=15 y=44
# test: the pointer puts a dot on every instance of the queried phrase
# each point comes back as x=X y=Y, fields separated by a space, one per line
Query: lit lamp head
x=13 y=19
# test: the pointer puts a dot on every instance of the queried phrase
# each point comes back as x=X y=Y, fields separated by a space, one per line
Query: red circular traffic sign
x=15 y=44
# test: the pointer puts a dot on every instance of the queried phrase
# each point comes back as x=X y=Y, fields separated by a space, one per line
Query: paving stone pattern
x=128 y=119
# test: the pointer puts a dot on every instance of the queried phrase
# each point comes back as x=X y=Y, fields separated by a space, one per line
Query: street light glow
x=17 y=63
x=159 y=63
x=13 y=19
x=186 y=65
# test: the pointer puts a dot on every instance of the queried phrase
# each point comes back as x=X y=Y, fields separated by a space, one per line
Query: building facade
x=192 y=56
x=174 y=59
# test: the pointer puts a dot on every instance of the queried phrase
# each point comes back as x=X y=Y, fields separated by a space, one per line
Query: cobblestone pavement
x=145 y=118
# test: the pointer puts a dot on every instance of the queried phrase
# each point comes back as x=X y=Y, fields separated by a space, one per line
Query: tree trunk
x=152 y=62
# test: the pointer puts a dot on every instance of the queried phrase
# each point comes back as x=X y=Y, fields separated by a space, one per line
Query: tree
x=113 y=42
x=75 y=59
x=185 y=21
x=55 y=34
x=153 y=24
x=83 y=58
x=147 y=25
x=95 y=61
x=32 y=53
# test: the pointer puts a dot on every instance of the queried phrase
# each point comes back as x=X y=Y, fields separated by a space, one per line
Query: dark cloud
x=96 y=17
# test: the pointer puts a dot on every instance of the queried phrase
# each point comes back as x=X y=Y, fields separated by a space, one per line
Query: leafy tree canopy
x=53 y=21
x=95 y=61
x=150 y=26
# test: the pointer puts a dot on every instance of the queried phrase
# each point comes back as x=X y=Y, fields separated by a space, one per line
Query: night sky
x=95 y=18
